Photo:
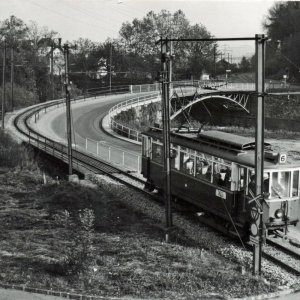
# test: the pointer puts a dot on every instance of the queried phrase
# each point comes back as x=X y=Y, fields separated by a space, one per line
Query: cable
x=96 y=18
x=66 y=16
x=231 y=220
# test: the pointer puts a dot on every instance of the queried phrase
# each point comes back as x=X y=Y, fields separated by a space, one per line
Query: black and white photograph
x=149 y=149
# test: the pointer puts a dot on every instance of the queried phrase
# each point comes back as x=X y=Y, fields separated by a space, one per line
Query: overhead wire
x=103 y=23
x=66 y=16
x=91 y=14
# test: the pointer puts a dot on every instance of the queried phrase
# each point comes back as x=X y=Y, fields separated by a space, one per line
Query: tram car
x=215 y=171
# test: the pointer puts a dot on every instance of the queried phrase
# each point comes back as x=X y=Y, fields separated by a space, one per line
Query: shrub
x=15 y=155
x=79 y=235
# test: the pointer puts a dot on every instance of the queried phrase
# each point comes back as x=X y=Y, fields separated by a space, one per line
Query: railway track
x=87 y=163
x=284 y=256
x=82 y=162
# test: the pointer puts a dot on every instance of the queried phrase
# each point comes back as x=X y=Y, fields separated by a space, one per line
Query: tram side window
x=252 y=183
x=157 y=153
x=201 y=167
x=221 y=173
x=187 y=162
x=145 y=145
x=295 y=190
x=204 y=167
x=174 y=157
x=280 y=184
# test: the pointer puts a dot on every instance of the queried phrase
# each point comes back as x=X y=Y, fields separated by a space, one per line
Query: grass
x=129 y=255
x=14 y=155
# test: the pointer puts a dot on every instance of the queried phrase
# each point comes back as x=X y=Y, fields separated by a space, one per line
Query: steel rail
x=284 y=249
x=281 y=263
x=277 y=261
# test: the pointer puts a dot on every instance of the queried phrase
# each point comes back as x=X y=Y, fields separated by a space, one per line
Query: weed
x=79 y=235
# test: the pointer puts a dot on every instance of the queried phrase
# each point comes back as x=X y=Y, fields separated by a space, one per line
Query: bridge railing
x=156 y=87
x=239 y=86
x=125 y=131
x=114 y=155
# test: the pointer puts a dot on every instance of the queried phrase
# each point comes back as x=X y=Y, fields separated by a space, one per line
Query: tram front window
x=280 y=184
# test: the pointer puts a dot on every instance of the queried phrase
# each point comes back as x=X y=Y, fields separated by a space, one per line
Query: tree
x=84 y=63
x=15 y=31
x=282 y=26
x=37 y=58
x=31 y=65
x=244 y=65
x=139 y=37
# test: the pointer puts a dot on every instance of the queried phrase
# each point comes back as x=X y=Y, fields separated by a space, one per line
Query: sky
x=98 y=20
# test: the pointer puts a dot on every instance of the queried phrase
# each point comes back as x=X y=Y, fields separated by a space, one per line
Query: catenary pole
x=110 y=68
x=259 y=142
x=68 y=107
x=166 y=58
x=11 y=65
x=3 y=84
x=52 y=66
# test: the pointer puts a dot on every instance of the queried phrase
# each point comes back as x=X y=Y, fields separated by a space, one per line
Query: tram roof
x=225 y=145
x=228 y=140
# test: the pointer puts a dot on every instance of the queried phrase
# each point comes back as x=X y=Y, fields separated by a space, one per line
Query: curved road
x=86 y=123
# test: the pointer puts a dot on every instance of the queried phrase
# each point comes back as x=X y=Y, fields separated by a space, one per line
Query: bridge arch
x=239 y=99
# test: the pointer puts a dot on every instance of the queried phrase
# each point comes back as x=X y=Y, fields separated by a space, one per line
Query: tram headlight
x=279 y=214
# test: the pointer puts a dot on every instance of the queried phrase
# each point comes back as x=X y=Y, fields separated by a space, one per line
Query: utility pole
x=257 y=241
x=11 y=65
x=66 y=48
x=52 y=66
x=215 y=59
x=228 y=60
x=3 y=84
x=166 y=58
x=110 y=61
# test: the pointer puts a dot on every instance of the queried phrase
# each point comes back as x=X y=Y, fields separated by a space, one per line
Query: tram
x=215 y=171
